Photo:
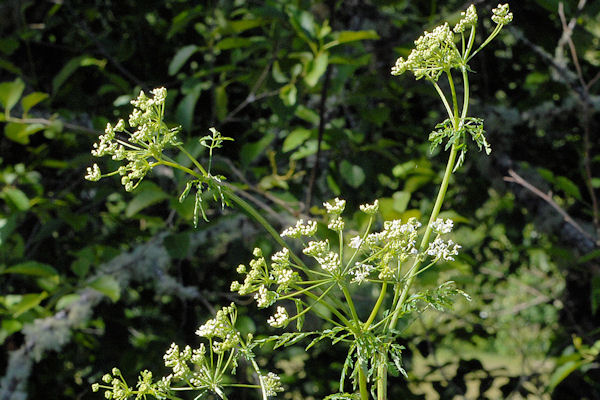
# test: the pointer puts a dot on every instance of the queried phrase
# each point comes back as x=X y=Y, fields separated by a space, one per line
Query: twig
x=254 y=188
x=586 y=104
x=516 y=178
x=48 y=122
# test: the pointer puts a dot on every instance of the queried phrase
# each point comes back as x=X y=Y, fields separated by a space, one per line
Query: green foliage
x=247 y=69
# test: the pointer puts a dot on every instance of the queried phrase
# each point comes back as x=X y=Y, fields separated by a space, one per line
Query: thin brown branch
x=519 y=180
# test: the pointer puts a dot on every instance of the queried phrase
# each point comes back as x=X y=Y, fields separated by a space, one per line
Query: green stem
x=376 y=307
x=382 y=380
x=351 y=306
x=362 y=383
x=193 y=159
x=425 y=240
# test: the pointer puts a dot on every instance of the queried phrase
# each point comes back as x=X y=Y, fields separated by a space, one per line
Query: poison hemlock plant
x=323 y=278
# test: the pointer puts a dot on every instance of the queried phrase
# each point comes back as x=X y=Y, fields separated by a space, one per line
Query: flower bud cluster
x=336 y=208
x=280 y=319
x=221 y=327
x=262 y=277
x=319 y=250
x=469 y=19
x=300 y=229
x=140 y=148
x=271 y=383
x=501 y=14
x=434 y=53
x=396 y=239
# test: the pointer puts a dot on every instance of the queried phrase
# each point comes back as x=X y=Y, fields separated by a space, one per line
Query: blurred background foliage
x=93 y=277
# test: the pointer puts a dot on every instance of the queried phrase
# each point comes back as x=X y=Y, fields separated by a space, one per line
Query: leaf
x=242 y=25
x=10 y=67
x=288 y=94
x=7 y=226
x=32 y=268
x=592 y=255
x=185 y=109
x=567 y=186
x=10 y=93
x=278 y=75
x=562 y=372
x=233 y=43
x=8 y=327
x=73 y=65
x=31 y=100
x=250 y=151
x=352 y=174
x=182 y=55
x=146 y=195
x=316 y=69
x=353 y=36
x=28 y=301
x=307 y=114
x=66 y=301
x=221 y=102
x=20 y=132
x=108 y=286
x=295 y=139
x=16 y=198
x=401 y=199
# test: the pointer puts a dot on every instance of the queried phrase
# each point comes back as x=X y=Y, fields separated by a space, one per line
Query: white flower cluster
x=264 y=297
x=355 y=242
x=146 y=143
x=398 y=238
x=93 y=173
x=177 y=360
x=336 y=208
x=440 y=249
x=261 y=277
x=271 y=383
x=222 y=327
x=442 y=227
x=300 y=229
x=360 y=272
x=370 y=209
x=434 y=53
x=328 y=260
x=469 y=19
x=502 y=16
x=336 y=224
x=279 y=320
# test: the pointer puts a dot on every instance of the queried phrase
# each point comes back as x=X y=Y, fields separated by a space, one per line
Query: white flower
x=281 y=257
x=439 y=249
x=279 y=319
x=440 y=226
x=264 y=298
x=317 y=249
x=330 y=263
x=93 y=173
x=336 y=208
x=370 y=209
x=336 y=224
x=355 y=242
x=300 y=229
x=360 y=272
